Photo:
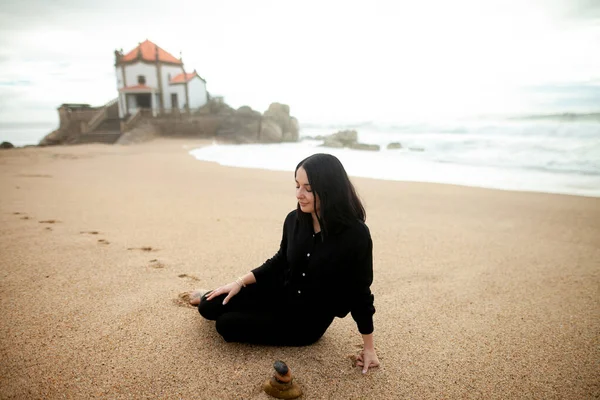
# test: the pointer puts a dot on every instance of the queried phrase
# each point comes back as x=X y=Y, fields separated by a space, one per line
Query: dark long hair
x=339 y=203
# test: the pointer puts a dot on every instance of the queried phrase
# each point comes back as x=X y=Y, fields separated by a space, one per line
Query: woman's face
x=304 y=193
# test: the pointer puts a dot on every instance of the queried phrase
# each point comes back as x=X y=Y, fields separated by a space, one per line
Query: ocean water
x=25 y=134
x=550 y=156
x=538 y=156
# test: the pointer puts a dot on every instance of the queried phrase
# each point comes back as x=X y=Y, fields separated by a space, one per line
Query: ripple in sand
x=49 y=221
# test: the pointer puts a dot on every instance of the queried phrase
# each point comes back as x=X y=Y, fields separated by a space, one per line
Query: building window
x=141 y=79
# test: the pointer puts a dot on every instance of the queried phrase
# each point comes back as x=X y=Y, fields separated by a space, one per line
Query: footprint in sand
x=146 y=248
x=48 y=228
x=22 y=214
x=156 y=264
x=103 y=241
x=183 y=299
x=65 y=156
x=192 y=277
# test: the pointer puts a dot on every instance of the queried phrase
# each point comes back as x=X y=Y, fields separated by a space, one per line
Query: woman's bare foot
x=196 y=295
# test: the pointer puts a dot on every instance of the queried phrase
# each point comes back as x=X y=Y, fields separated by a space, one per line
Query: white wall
x=171 y=71
x=196 y=87
x=197 y=92
x=148 y=70
x=180 y=90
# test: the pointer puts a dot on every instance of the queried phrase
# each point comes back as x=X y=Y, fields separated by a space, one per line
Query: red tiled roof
x=137 y=88
x=148 y=53
x=183 y=77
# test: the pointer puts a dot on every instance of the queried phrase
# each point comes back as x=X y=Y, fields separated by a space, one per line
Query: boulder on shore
x=270 y=131
x=394 y=145
x=346 y=138
x=279 y=114
x=331 y=141
x=240 y=126
x=364 y=146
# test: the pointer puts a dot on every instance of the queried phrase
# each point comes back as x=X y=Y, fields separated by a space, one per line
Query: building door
x=143 y=100
x=174 y=102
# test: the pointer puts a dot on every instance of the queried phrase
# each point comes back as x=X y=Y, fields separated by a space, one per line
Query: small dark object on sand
x=281 y=385
x=280 y=367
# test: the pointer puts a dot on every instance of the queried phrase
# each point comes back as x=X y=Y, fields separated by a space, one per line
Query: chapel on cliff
x=149 y=77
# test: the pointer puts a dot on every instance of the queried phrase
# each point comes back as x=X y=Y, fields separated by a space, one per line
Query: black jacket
x=331 y=274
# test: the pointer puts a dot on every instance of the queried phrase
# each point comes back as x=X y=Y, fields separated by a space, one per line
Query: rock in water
x=281 y=385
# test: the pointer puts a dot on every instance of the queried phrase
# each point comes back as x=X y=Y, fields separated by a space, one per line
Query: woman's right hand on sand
x=231 y=289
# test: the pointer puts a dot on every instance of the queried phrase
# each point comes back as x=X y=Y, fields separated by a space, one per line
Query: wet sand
x=479 y=293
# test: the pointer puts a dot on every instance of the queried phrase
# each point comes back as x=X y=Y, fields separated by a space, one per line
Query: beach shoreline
x=479 y=292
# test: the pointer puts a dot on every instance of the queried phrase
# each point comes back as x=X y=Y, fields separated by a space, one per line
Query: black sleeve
x=278 y=262
x=361 y=298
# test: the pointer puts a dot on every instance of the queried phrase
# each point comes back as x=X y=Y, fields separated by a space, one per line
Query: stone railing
x=98 y=118
x=132 y=120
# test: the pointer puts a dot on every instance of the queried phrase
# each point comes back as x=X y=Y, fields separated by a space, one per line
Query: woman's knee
x=225 y=326
x=210 y=309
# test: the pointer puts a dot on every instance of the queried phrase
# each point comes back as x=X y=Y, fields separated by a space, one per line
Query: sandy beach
x=480 y=294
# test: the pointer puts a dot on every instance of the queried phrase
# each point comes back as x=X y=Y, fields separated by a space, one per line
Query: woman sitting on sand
x=323 y=269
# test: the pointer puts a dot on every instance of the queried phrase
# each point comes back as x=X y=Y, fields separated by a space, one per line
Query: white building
x=149 y=77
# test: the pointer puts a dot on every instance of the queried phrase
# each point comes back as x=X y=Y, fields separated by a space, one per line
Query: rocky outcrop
x=215 y=106
x=216 y=119
x=246 y=125
x=239 y=126
x=364 y=146
x=270 y=131
x=394 y=145
x=6 y=145
x=278 y=126
x=346 y=138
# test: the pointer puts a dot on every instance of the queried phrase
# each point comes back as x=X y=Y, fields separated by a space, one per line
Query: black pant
x=263 y=316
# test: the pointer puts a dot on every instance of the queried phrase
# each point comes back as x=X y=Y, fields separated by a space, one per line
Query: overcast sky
x=329 y=60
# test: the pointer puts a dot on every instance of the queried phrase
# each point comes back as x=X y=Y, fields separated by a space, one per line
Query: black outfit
x=298 y=292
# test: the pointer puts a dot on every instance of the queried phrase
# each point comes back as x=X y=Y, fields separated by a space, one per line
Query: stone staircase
x=143 y=131
x=105 y=127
